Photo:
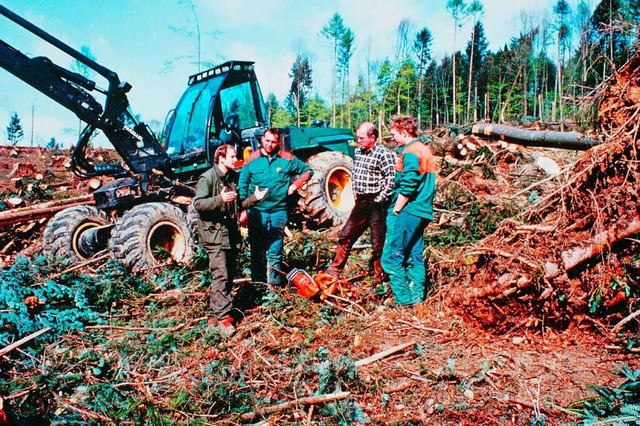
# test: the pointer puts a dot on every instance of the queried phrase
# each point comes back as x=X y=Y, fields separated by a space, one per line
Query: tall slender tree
x=384 y=79
x=609 y=35
x=278 y=116
x=422 y=49
x=476 y=10
x=82 y=69
x=562 y=11
x=475 y=54
x=334 y=31
x=345 y=52
x=582 y=22
x=402 y=54
x=458 y=10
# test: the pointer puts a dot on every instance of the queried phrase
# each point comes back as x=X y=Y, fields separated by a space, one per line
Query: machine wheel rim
x=338 y=181
x=75 y=238
x=167 y=236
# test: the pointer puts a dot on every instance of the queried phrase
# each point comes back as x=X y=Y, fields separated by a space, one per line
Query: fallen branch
x=309 y=400
x=398 y=388
x=81 y=265
x=383 y=354
x=619 y=325
x=545 y=410
x=85 y=413
x=620 y=348
x=334 y=305
x=419 y=327
x=22 y=341
x=575 y=256
x=365 y=313
x=540 y=182
x=485 y=250
x=149 y=329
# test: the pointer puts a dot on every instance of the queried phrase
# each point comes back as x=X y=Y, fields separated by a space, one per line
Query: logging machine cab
x=222 y=105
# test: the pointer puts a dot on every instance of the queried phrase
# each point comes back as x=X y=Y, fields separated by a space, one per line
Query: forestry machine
x=142 y=216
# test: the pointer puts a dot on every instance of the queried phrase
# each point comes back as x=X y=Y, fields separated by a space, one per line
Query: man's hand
x=401 y=201
x=260 y=194
x=228 y=195
x=292 y=189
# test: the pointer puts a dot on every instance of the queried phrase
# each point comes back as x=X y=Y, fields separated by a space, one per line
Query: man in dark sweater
x=281 y=174
x=216 y=204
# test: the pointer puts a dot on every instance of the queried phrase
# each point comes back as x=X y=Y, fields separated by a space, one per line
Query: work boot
x=224 y=325
x=379 y=276
x=336 y=267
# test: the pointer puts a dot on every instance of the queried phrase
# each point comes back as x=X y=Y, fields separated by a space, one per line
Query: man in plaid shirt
x=373 y=176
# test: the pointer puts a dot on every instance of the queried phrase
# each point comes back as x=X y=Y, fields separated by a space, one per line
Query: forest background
x=556 y=59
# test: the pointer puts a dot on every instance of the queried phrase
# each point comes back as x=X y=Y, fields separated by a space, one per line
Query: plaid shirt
x=373 y=172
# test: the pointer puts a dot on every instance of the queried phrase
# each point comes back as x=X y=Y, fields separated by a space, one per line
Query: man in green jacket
x=216 y=204
x=281 y=174
x=410 y=212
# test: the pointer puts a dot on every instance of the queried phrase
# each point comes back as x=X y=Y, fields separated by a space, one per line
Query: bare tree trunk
x=419 y=103
x=475 y=103
x=506 y=102
x=473 y=36
x=333 y=82
x=538 y=138
x=487 y=112
x=454 y=80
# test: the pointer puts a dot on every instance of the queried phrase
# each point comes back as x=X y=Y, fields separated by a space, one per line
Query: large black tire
x=62 y=234
x=328 y=196
x=151 y=235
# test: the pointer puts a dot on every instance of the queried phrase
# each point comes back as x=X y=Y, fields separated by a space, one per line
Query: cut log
x=14 y=202
x=539 y=138
x=94 y=183
x=43 y=210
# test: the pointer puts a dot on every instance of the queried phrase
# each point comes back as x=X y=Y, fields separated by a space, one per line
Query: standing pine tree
x=14 y=130
x=53 y=144
x=301 y=82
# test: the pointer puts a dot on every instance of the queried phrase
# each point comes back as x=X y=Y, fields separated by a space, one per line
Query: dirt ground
x=445 y=370
x=467 y=366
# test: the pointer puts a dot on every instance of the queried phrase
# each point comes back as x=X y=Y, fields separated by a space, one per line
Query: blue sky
x=146 y=43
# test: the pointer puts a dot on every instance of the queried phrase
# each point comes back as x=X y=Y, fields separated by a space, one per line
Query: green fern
x=615 y=406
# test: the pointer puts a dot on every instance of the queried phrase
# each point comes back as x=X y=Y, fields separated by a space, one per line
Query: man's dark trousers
x=365 y=214
x=221 y=265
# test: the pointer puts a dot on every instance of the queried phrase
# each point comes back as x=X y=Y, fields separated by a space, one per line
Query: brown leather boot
x=339 y=261
x=379 y=276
